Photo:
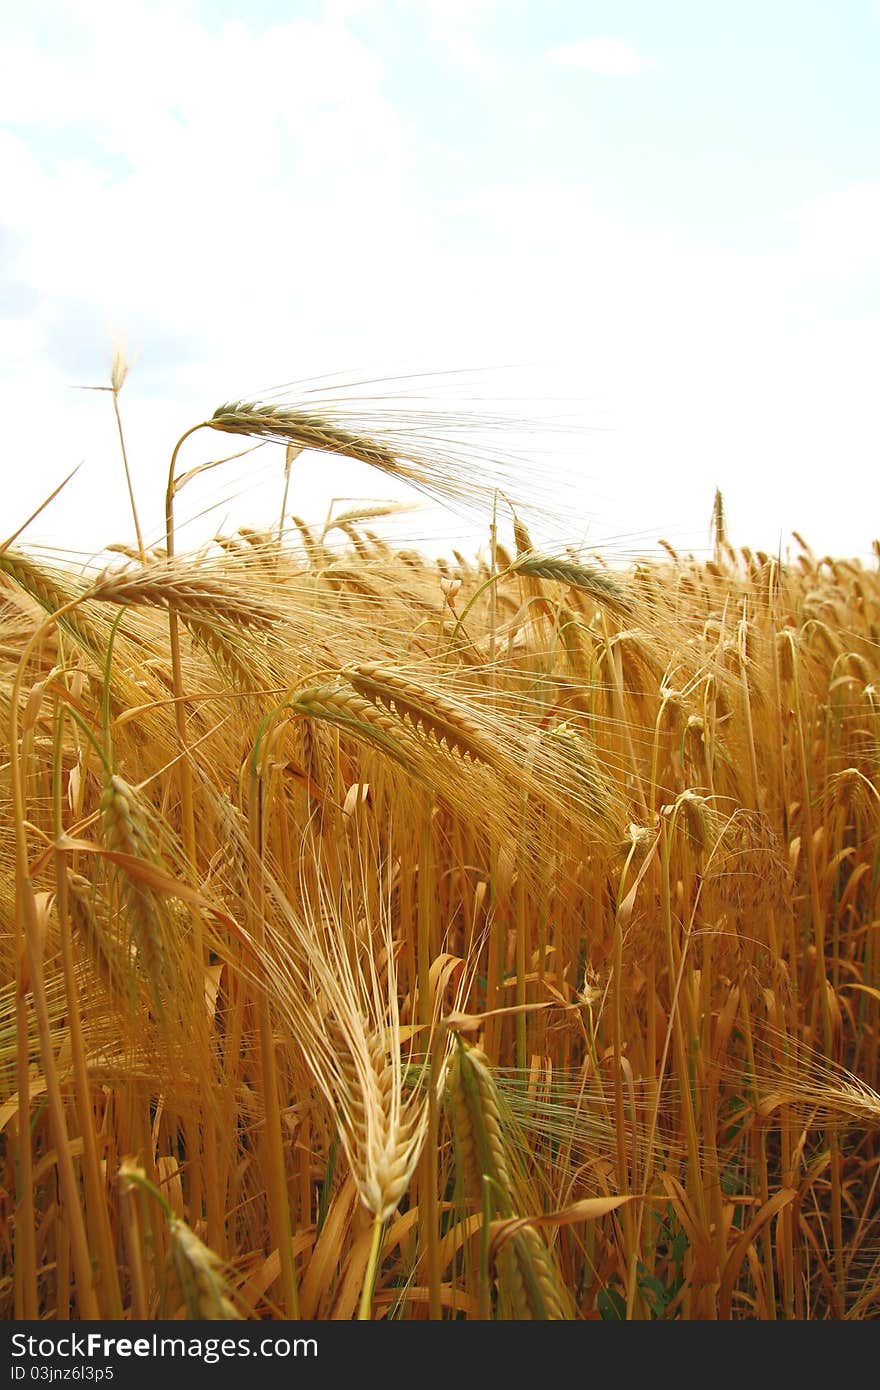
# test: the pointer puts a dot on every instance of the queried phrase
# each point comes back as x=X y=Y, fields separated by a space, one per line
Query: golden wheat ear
x=427 y=710
x=302 y=430
x=127 y=831
x=530 y=1285
x=200 y=1275
x=450 y=455
x=584 y=578
x=52 y=590
x=189 y=590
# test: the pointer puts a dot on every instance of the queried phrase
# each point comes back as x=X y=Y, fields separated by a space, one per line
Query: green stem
x=481 y=589
x=438 y=1053
x=365 y=1309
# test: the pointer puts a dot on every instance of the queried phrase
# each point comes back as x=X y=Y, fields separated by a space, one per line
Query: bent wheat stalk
x=536 y=565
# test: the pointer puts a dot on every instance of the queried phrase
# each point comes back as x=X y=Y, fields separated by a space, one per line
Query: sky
x=661 y=222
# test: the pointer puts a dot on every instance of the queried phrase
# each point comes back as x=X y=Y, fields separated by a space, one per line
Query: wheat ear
x=600 y=586
x=301 y=429
x=187 y=591
x=341 y=705
x=480 y=1150
x=221 y=647
x=531 y=1280
x=382 y=1132
x=199 y=1274
x=51 y=594
x=527 y=1272
x=427 y=710
x=108 y=956
x=126 y=829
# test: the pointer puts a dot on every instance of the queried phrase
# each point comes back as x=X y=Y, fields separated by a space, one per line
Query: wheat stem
x=366 y=1300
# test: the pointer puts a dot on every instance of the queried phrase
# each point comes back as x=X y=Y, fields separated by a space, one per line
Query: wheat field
x=485 y=938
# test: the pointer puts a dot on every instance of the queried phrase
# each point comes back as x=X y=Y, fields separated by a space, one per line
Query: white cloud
x=455 y=28
x=249 y=161
x=608 y=56
x=839 y=234
x=254 y=224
